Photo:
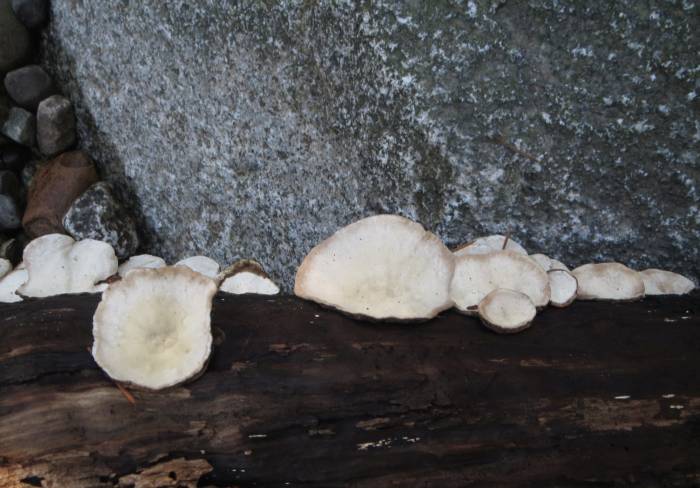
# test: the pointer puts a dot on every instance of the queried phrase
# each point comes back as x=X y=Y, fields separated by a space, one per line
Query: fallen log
x=597 y=394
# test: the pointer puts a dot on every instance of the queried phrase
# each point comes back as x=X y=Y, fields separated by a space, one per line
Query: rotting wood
x=597 y=394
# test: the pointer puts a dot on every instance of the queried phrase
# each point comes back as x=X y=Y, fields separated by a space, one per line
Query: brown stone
x=53 y=190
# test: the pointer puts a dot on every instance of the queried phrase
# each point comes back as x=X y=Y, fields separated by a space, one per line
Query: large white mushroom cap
x=153 y=328
x=384 y=267
x=477 y=275
x=57 y=264
x=661 y=282
x=608 y=281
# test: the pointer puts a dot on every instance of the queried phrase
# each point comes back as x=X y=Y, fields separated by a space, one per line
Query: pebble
x=97 y=214
x=29 y=170
x=32 y=13
x=55 y=125
x=14 y=158
x=20 y=126
x=15 y=39
x=54 y=188
x=10 y=214
x=28 y=86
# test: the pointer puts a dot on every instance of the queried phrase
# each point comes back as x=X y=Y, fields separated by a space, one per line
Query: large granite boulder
x=255 y=131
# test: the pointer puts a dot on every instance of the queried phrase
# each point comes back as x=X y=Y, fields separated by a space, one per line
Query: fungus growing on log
x=247 y=276
x=5 y=267
x=201 y=264
x=477 y=275
x=608 y=281
x=488 y=244
x=506 y=311
x=140 y=261
x=10 y=283
x=384 y=267
x=152 y=328
x=661 y=282
x=57 y=264
x=563 y=287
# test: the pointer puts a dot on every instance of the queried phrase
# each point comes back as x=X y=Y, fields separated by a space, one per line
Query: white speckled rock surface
x=248 y=131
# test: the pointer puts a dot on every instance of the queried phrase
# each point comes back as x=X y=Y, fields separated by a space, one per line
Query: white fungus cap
x=608 y=281
x=477 y=275
x=563 y=286
x=384 y=267
x=153 y=328
x=201 y=264
x=57 y=264
x=660 y=282
x=506 y=311
x=5 y=267
x=140 y=261
x=10 y=283
x=489 y=244
x=247 y=276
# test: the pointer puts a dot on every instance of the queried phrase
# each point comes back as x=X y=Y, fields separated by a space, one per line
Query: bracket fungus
x=58 y=264
x=201 y=264
x=384 y=267
x=139 y=262
x=489 y=244
x=661 y=282
x=608 y=281
x=563 y=287
x=5 y=267
x=506 y=311
x=10 y=283
x=477 y=275
x=152 y=329
x=247 y=276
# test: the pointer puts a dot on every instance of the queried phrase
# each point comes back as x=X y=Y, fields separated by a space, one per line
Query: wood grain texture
x=597 y=394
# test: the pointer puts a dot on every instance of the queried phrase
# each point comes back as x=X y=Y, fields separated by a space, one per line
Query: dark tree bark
x=598 y=394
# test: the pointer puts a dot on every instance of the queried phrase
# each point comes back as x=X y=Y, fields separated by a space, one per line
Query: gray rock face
x=28 y=86
x=20 y=126
x=97 y=214
x=32 y=13
x=15 y=41
x=250 y=131
x=55 y=125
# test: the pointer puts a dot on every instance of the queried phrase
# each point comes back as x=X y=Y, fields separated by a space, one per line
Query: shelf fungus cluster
x=152 y=326
x=388 y=268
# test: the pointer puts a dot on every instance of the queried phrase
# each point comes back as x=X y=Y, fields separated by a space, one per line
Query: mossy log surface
x=597 y=394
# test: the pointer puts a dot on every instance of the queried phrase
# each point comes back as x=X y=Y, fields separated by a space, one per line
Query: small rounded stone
x=32 y=13
x=55 y=125
x=15 y=39
x=28 y=86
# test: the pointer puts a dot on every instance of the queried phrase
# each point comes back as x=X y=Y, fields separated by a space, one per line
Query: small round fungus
x=506 y=311
x=247 y=276
x=563 y=286
x=488 y=244
x=201 y=264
